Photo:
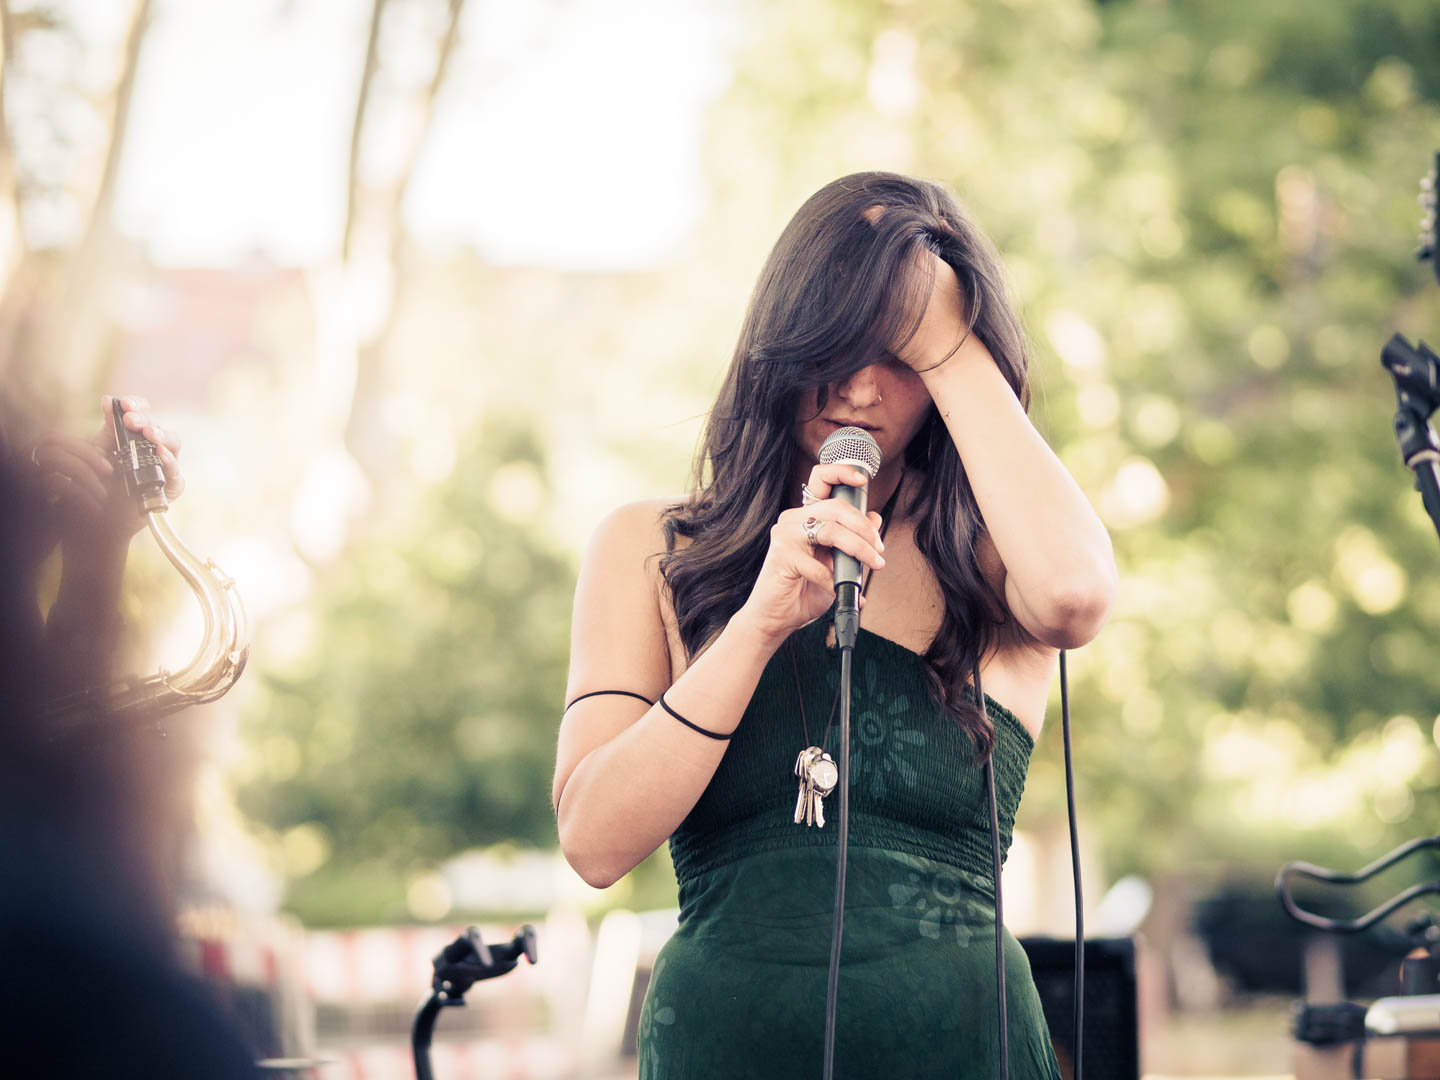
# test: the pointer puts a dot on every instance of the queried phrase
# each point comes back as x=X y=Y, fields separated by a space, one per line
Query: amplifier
x=1112 y=1033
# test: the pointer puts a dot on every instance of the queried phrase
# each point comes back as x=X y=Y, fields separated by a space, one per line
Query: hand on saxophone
x=85 y=500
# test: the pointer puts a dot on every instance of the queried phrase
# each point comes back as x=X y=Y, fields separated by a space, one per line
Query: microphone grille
x=851 y=446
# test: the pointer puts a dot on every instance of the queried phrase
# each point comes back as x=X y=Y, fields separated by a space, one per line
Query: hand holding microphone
x=856 y=448
x=817 y=546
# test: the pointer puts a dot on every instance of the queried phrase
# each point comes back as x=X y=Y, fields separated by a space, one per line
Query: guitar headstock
x=1429 y=229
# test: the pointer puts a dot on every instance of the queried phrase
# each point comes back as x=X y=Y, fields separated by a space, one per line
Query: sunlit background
x=428 y=286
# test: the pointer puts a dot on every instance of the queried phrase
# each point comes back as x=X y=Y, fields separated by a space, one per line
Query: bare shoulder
x=622 y=617
x=639 y=537
x=619 y=647
x=630 y=538
x=618 y=633
x=636 y=523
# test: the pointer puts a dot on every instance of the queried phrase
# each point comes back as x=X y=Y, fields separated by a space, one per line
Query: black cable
x=843 y=845
x=1075 y=866
x=847 y=629
x=1000 y=998
x=832 y=990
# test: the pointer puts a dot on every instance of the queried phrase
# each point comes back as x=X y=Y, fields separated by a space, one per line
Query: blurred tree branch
x=9 y=187
x=392 y=107
x=365 y=433
x=357 y=130
x=52 y=318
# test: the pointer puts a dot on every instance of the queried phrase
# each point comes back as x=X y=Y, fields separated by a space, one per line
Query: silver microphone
x=856 y=447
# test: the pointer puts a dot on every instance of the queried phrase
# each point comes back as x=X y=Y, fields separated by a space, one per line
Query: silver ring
x=807 y=496
x=811 y=527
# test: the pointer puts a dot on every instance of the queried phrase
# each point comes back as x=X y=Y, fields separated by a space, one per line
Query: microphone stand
x=1394 y=1036
x=1334 y=1037
x=1416 y=371
x=464 y=962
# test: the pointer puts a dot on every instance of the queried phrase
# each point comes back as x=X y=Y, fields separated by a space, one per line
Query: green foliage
x=1208 y=215
x=1268 y=632
x=422 y=720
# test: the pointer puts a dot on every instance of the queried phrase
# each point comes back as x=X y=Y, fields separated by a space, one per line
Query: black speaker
x=1111 y=1047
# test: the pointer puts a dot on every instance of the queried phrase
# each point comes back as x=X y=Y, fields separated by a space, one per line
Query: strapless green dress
x=739 y=991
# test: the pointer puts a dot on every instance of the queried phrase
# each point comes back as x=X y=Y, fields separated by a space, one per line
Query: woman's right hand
x=796 y=584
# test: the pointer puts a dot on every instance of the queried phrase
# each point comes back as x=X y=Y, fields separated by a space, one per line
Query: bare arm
x=1060 y=569
x=627 y=775
x=85 y=505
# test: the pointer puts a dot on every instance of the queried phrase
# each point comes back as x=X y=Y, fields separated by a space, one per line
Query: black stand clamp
x=460 y=965
x=1416 y=371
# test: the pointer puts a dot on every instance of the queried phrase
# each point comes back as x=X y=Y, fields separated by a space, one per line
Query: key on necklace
x=802 y=770
x=818 y=776
x=823 y=777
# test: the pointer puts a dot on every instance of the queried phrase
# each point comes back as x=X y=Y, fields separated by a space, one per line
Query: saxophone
x=225 y=644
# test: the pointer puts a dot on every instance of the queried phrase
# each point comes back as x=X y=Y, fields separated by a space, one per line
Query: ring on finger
x=812 y=528
x=807 y=496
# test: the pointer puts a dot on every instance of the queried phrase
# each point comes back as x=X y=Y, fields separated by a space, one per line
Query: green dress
x=739 y=990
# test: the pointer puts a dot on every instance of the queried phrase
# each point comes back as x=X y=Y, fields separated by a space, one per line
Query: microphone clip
x=847 y=614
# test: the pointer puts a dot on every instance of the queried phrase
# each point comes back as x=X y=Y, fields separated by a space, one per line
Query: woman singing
x=701 y=665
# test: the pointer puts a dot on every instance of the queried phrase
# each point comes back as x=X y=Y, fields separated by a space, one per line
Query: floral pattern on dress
x=883 y=740
x=943 y=899
x=654 y=1018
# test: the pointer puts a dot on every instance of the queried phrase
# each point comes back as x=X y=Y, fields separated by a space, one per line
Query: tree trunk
x=367 y=437
x=59 y=355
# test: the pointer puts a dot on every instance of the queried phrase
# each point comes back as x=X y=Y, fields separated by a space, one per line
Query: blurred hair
x=86 y=786
x=20 y=628
x=844 y=287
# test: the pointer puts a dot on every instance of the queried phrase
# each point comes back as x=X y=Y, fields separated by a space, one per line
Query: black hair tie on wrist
x=693 y=727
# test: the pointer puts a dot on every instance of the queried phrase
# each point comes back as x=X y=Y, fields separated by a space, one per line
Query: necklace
x=814 y=767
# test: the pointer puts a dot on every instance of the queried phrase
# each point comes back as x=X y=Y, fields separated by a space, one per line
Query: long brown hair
x=838 y=293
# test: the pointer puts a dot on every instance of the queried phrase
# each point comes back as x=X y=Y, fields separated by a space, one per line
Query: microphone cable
x=832 y=989
x=1075 y=870
x=847 y=626
x=1001 y=1002
x=843 y=847
x=855 y=447
x=1079 y=990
